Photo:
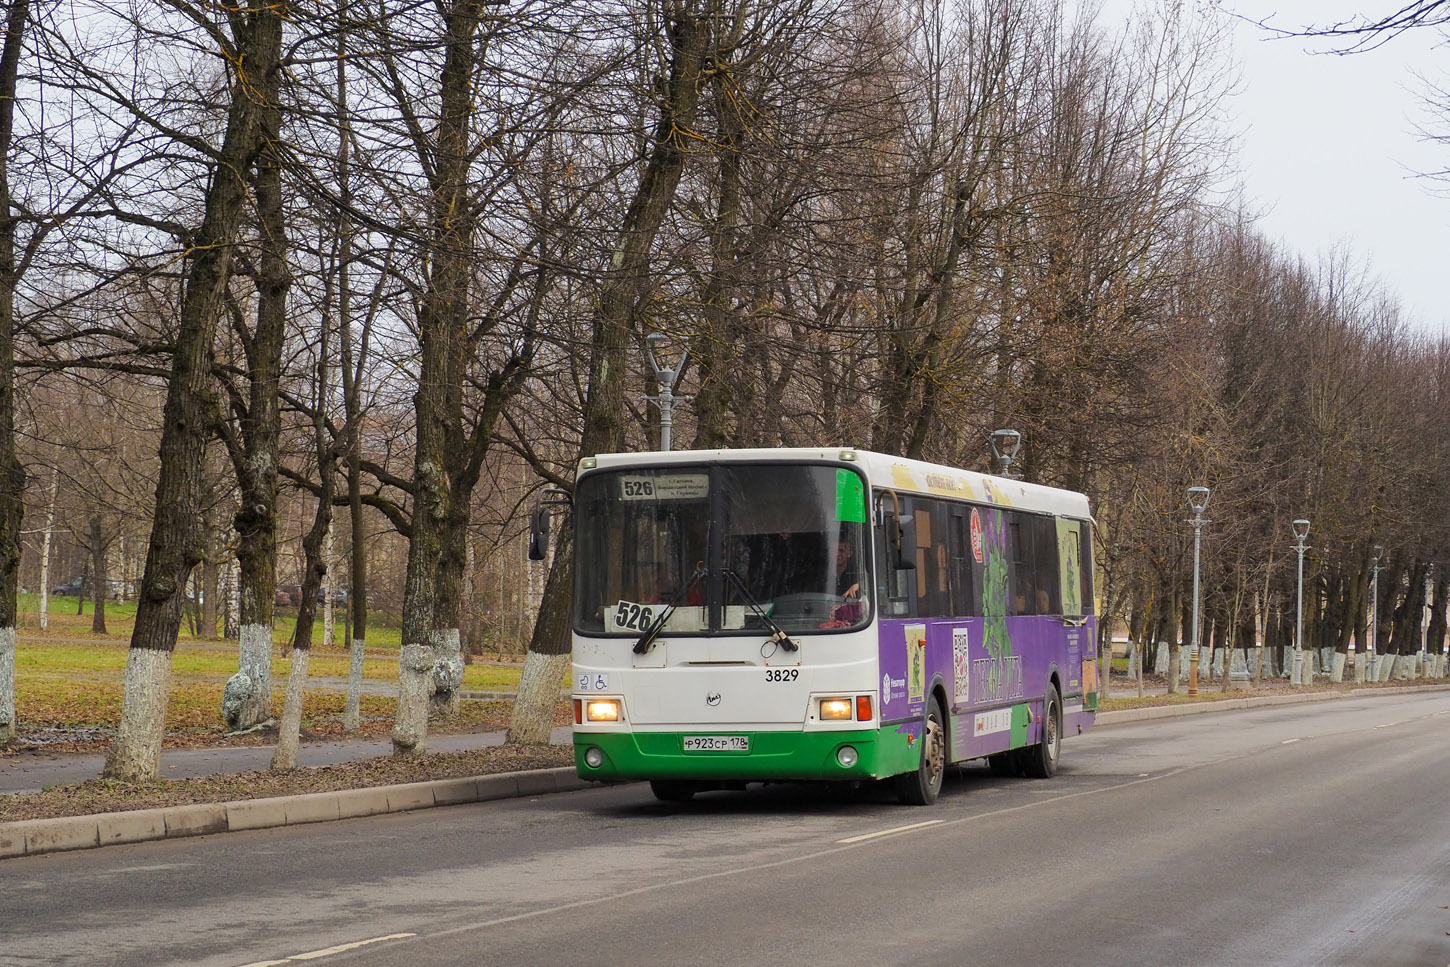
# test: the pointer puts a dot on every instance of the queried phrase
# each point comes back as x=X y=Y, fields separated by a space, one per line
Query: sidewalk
x=32 y=773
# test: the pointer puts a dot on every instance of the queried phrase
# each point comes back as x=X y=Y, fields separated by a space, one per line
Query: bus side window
x=1019 y=555
x=964 y=596
x=1047 y=578
x=893 y=587
x=933 y=592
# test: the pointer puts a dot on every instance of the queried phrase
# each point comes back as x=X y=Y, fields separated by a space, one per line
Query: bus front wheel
x=920 y=788
x=1041 y=759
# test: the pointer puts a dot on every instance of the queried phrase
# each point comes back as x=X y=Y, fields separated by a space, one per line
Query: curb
x=1223 y=705
x=33 y=837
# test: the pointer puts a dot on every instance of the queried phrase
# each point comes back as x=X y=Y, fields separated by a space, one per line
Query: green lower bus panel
x=771 y=756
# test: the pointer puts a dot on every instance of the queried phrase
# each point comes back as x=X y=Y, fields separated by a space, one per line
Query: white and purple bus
x=824 y=614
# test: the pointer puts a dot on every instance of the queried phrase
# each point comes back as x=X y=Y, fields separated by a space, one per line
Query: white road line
x=1290 y=741
x=891 y=832
x=329 y=951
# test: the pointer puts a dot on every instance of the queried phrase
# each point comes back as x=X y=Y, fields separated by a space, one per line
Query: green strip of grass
x=85 y=661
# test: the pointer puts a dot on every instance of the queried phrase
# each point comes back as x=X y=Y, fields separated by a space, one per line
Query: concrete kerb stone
x=32 y=837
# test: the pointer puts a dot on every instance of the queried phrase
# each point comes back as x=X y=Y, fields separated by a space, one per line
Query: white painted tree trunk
x=7 y=685
x=447 y=673
x=289 y=736
x=136 y=751
x=415 y=689
x=1336 y=671
x=352 y=710
x=254 y=659
x=537 y=698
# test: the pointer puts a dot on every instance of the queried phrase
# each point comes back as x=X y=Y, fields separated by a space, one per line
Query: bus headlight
x=593 y=758
x=846 y=755
x=602 y=710
x=836 y=709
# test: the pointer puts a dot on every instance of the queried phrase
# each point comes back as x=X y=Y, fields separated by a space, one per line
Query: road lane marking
x=1290 y=741
x=330 y=951
x=891 y=832
x=811 y=857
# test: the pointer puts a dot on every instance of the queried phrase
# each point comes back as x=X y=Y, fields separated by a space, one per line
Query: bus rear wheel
x=673 y=790
x=921 y=788
x=1041 y=759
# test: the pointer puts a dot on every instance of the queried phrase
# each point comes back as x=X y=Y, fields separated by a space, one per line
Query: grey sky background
x=1329 y=149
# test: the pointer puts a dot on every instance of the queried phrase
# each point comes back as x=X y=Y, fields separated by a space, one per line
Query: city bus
x=834 y=615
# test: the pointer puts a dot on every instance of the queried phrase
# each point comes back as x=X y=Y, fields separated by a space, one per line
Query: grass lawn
x=68 y=677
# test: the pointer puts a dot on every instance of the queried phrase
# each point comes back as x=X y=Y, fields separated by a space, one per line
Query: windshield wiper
x=779 y=637
x=646 y=641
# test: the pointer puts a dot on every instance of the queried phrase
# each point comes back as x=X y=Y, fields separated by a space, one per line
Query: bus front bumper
x=825 y=755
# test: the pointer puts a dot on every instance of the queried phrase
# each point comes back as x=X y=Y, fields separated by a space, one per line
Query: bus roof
x=881 y=469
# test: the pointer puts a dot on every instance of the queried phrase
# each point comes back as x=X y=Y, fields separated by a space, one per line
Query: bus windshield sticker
x=665 y=486
x=850 y=497
x=629 y=616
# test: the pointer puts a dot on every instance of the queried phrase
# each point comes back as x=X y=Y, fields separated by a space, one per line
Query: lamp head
x=1198 y=500
x=1301 y=528
x=1379 y=552
x=1004 y=447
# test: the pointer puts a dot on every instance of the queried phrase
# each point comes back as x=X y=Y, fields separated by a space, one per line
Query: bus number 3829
x=782 y=674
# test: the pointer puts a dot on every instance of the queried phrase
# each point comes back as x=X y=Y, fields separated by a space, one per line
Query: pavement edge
x=34 y=837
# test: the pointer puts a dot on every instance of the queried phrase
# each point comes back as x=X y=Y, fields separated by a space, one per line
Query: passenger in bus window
x=848 y=578
x=1020 y=597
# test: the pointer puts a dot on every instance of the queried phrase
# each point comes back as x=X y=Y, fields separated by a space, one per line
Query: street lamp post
x=1301 y=531
x=1374 y=624
x=665 y=376
x=1004 y=448
x=1197 y=501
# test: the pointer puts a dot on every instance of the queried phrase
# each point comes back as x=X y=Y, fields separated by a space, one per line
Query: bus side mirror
x=906 y=545
x=539 y=534
x=900 y=536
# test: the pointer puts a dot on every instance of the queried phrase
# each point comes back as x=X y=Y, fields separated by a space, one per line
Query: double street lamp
x=1004 y=448
x=1197 y=501
x=665 y=376
x=1301 y=531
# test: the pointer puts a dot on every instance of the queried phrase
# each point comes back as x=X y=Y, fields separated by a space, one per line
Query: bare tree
x=12 y=475
x=189 y=412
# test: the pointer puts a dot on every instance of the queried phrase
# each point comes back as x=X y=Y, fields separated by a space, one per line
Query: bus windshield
x=734 y=549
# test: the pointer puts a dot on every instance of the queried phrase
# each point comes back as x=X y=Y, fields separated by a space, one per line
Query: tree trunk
x=356 y=619
x=100 y=584
x=430 y=600
x=256 y=450
x=189 y=412
x=12 y=474
x=689 y=39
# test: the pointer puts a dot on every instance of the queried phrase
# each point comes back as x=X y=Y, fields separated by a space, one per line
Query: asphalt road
x=1288 y=835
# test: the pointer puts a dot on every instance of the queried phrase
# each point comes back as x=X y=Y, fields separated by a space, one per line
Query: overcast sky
x=1329 y=148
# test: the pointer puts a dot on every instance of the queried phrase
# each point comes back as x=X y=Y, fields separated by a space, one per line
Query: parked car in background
x=288 y=595
x=72 y=587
